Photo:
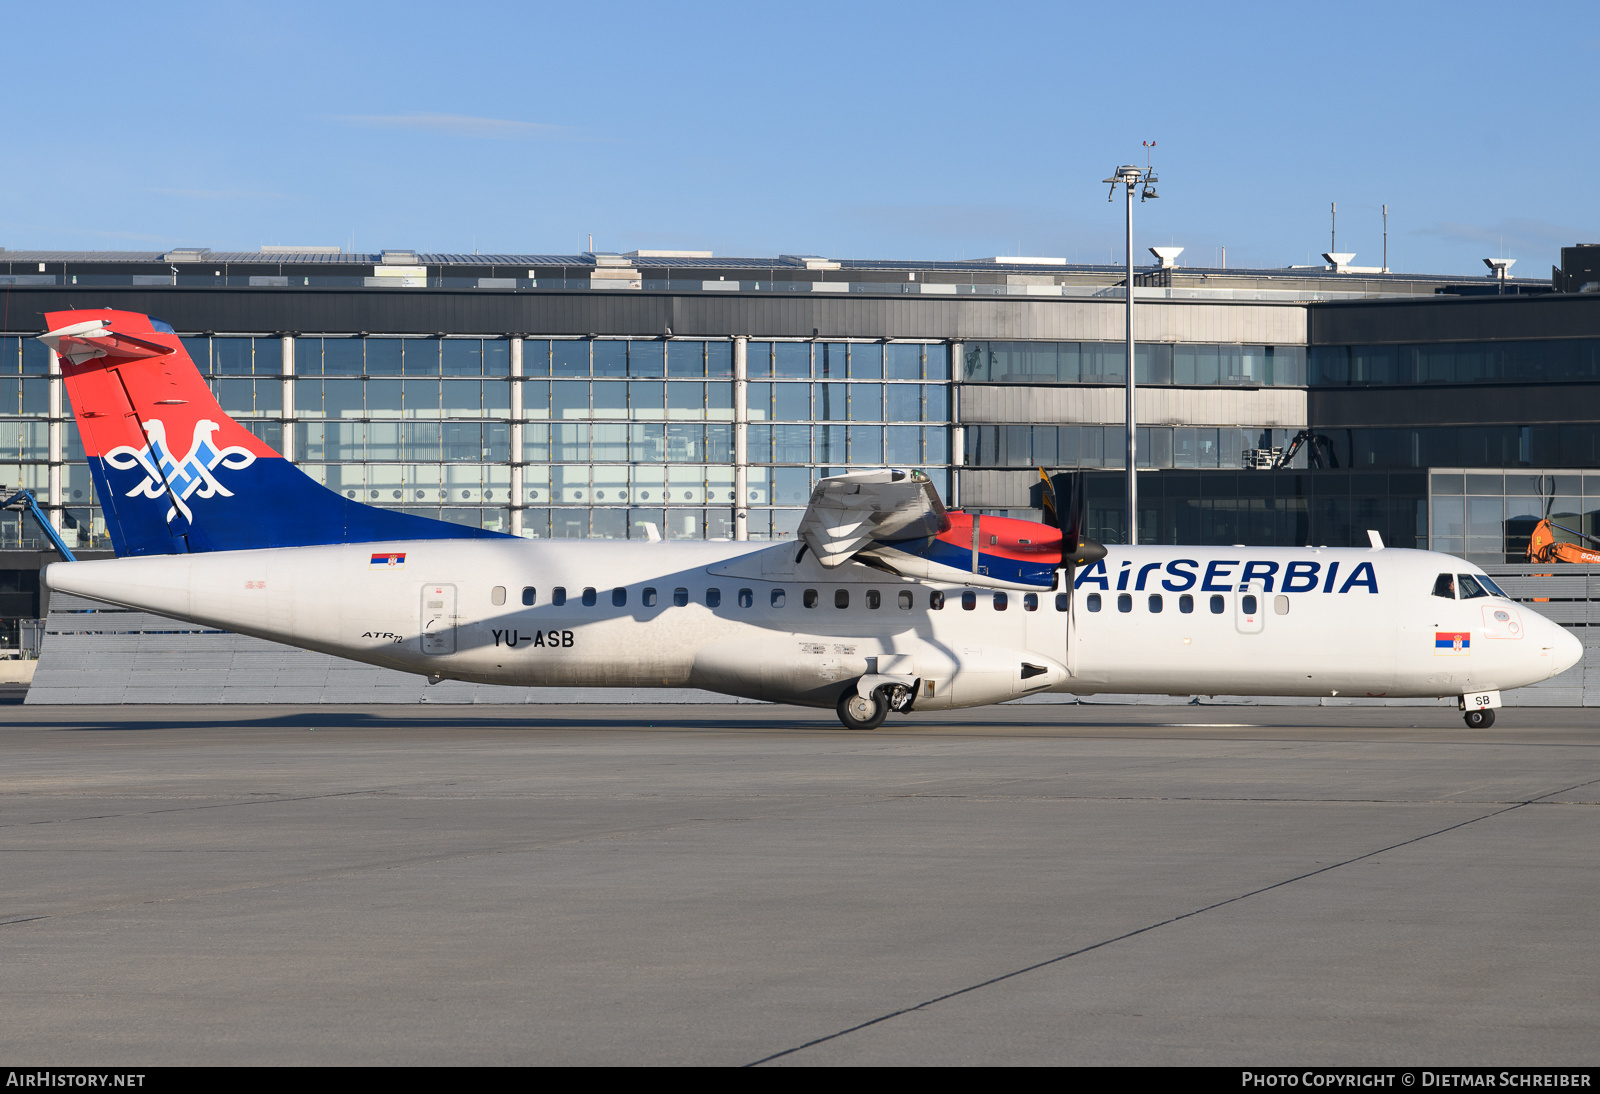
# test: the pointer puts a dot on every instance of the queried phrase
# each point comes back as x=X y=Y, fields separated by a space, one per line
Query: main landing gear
x=858 y=713
x=1475 y=719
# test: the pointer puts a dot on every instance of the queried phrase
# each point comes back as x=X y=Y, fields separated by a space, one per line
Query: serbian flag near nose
x=393 y=561
x=1452 y=641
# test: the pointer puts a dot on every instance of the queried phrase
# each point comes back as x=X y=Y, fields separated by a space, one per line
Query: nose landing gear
x=1478 y=708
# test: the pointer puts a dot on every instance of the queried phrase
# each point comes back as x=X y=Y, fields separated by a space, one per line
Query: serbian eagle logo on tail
x=179 y=479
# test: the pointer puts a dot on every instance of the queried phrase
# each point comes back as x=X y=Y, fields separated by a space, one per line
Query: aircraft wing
x=850 y=512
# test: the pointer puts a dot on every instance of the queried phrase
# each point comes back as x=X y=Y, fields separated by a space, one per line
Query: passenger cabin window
x=680 y=597
x=558 y=596
x=529 y=595
x=874 y=599
x=936 y=600
x=1155 y=603
x=713 y=598
x=590 y=597
x=1124 y=602
x=969 y=601
x=619 y=598
x=747 y=599
x=777 y=598
x=1280 y=604
x=1247 y=604
x=1092 y=602
x=1218 y=606
x=841 y=598
x=1445 y=585
x=905 y=600
x=497 y=595
x=1000 y=602
x=809 y=598
x=1063 y=602
x=1471 y=588
x=1186 y=604
x=1030 y=602
x=648 y=597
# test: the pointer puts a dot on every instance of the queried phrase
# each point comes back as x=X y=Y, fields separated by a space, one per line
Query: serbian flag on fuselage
x=394 y=560
x=1452 y=642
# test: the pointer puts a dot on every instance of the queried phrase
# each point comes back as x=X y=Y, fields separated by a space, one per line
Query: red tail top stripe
x=165 y=388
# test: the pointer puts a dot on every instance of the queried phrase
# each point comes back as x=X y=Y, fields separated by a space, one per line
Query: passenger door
x=438 y=619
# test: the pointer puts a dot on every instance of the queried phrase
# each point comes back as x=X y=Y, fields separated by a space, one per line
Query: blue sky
x=923 y=131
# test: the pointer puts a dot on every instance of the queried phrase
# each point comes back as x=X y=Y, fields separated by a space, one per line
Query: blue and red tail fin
x=174 y=473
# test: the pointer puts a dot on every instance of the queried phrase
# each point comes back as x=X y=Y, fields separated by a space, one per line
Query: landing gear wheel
x=858 y=713
x=1479 y=719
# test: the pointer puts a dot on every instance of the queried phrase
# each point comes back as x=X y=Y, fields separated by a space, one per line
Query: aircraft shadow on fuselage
x=856 y=621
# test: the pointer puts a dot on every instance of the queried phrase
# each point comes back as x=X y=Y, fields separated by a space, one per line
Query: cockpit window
x=1445 y=585
x=1491 y=586
x=1470 y=587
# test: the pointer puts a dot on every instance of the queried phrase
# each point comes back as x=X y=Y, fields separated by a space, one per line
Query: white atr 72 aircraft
x=887 y=603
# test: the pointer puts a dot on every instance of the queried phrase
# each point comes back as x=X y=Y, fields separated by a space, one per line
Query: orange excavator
x=1543 y=547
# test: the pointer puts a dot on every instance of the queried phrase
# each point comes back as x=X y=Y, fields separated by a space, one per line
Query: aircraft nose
x=1567 y=651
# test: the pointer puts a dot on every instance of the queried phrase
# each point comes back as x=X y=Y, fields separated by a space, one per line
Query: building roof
x=990 y=265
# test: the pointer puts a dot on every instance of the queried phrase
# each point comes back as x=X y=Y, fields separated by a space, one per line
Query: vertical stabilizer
x=175 y=474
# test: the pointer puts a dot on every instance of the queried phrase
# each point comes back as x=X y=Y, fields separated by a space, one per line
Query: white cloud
x=1516 y=233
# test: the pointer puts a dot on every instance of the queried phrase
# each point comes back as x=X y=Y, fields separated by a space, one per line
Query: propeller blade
x=1047 y=500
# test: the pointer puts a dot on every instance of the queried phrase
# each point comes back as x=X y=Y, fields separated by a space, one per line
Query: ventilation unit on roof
x=1340 y=261
x=186 y=254
x=399 y=258
x=811 y=262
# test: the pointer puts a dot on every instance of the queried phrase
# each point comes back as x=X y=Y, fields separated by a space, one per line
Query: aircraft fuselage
x=751 y=620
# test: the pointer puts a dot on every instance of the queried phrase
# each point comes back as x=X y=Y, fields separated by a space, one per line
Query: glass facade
x=1266 y=508
x=606 y=435
x=1562 y=360
x=1573 y=444
x=1256 y=508
x=1064 y=446
x=629 y=433
x=601 y=437
x=1183 y=365
x=1487 y=515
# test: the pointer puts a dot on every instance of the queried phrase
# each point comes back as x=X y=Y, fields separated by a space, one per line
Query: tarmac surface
x=1242 y=886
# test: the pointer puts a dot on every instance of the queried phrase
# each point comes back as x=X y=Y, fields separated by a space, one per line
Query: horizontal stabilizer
x=81 y=342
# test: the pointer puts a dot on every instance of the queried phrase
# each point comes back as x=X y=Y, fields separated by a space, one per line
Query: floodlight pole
x=1133 y=433
x=1131 y=177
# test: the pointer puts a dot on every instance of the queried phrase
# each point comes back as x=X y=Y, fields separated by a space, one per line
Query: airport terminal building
x=614 y=395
